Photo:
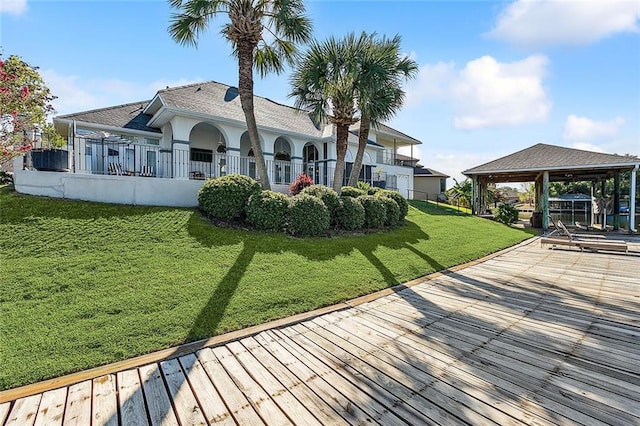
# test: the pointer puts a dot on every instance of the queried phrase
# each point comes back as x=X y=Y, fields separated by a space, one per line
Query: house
x=428 y=184
x=198 y=131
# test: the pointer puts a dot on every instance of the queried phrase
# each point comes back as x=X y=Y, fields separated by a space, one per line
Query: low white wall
x=109 y=189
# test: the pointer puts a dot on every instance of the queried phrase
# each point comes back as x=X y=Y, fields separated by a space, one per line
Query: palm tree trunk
x=342 y=133
x=245 y=88
x=363 y=136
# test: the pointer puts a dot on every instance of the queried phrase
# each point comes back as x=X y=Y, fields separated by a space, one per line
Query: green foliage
x=267 y=210
x=308 y=216
x=328 y=196
x=302 y=181
x=5 y=178
x=350 y=191
x=350 y=214
x=25 y=103
x=505 y=213
x=226 y=197
x=403 y=204
x=460 y=193
x=375 y=212
x=392 y=211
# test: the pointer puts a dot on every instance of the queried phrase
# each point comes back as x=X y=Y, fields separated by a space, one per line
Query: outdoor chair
x=147 y=171
x=561 y=230
x=581 y=241
x=115 y=169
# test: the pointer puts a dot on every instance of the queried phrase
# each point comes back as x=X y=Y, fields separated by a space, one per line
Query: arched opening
x=282 y=161
x=207 y=152
x=310 y=161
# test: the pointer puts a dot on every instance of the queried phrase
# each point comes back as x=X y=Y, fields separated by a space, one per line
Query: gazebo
x=542 y=163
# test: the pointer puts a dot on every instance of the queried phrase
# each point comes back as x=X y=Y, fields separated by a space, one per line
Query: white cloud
x=486 y=93
x=587 y=147
x=535 y=23
x=75 y=94
x=584 y=129
x=13 y=7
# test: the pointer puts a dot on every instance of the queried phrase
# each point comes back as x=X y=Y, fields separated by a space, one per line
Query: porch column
x=603 y=191
x=632 y=200
x=616 y=201
x=545 y=200
x=181 y=159
x=474 y=195
x=592 y=221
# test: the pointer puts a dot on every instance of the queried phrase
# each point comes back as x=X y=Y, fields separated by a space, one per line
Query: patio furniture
x=147 y=171
x=583 y=242
x=561 y=230
x=115 y=169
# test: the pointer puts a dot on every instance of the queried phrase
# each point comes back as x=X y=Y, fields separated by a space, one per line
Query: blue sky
x=495 y=77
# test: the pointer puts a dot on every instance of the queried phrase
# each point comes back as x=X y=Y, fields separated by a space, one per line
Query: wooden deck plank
x=156 y=397
x=133 y=410
x=186 y=406
x=211 y=403
x=51 y=411
x=287 y=402
x=236 y=402
x=4 y=411
x=105 y=401
x=24 y=411
x=78 y=408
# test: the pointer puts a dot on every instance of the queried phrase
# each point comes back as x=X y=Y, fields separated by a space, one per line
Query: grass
x=84 y=284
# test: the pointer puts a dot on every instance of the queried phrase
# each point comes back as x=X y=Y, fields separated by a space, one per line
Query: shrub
x=350 y=191
x=226 y=197
x=363 y=186
x=375 y=213
x=5 y=178
x=301 y=182
x=373 y=190
x=350 y=214
x=506 y=214
x=328 y=196
x=392 y=210
x=267 y=210
x=307 y=216
x=398 y=198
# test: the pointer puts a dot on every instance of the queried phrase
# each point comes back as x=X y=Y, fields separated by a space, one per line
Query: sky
x=494 y=77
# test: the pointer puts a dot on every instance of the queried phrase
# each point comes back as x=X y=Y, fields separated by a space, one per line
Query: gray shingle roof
x=127 y=116
x=393 y=132
x=425 y=171
x=223 y=101
x=547 y=157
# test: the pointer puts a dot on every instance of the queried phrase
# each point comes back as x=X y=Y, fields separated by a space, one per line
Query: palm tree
x=283 y=20
x=326 y=83
x=381 y=71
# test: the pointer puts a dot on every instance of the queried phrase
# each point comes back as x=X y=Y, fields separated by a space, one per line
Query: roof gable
x=547 y=157
x=127 y=116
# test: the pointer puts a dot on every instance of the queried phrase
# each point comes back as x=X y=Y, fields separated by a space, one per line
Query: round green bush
x=398 y=198
x=350 y=191
x=307 y=216
x=267 y=210
x=350 y=214
x=373 y=190
x=328 y=196
x=226 y=197
x=375 y=212
x=391 y=209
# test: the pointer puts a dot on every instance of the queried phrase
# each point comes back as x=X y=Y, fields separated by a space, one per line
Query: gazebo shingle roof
x=548 y=157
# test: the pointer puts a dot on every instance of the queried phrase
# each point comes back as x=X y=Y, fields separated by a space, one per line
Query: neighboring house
x=428 y=184
x=198 y=131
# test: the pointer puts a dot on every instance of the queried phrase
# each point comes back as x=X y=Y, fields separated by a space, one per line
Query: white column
x=632 y=200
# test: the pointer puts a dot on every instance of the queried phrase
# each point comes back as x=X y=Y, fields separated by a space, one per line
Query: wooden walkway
x=532 y=336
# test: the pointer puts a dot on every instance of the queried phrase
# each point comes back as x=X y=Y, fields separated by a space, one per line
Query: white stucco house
x=159 y=152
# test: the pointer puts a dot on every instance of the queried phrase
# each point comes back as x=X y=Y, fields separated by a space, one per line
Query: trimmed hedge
x=392 y=210
x=350 y=214
x=267 y=210
x=375 y=212
x=307 y=216
x=398 y=198
x=328 y=196
x=226 y=197
x=350 y=191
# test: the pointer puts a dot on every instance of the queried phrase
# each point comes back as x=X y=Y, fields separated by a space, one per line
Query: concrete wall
x=426 y=185
x=109 y=189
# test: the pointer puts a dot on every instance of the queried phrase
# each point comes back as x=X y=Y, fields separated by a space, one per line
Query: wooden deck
x=532 y=336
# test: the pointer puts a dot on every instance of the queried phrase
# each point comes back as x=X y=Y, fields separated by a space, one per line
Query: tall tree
x=326 y=83
x=284 y=22
x=381 y=70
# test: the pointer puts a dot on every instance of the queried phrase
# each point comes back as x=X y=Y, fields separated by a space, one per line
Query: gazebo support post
x=616 y=201
x=474 y=195
x=632 y=200
x=603 y=194
x=592 y=221
x=545 y=200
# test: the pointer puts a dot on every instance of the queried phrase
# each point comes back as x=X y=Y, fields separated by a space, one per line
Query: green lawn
x=84 y=284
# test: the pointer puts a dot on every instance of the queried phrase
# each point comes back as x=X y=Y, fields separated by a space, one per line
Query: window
x=149 y=141
x=203 y=155
x=443 y=185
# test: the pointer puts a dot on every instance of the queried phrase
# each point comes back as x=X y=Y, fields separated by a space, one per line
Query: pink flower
x=25 y=91
x=14 y=113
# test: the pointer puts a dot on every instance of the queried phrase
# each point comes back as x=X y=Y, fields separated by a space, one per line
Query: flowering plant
x=25 y=103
